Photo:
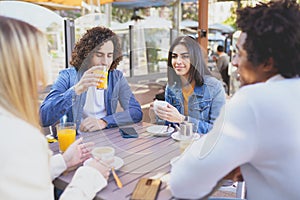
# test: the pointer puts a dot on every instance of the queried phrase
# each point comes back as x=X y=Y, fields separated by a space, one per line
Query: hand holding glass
x=103 y=77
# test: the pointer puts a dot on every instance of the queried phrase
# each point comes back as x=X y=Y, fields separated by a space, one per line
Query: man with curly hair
x=258 y=129
x=75 y=95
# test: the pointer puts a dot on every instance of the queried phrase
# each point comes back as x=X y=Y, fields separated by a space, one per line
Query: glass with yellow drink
x=103 y=78
x=66 y=134
x=183 y=144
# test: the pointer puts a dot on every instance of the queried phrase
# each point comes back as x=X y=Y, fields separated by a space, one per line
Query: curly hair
x=273 y=31
x=198 y=66
x=90 y=42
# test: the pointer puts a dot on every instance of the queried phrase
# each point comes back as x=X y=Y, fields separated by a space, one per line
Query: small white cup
x=103 y=153
x=157 y=103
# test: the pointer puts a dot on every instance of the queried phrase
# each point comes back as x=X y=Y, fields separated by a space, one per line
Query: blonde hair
x=22 y=60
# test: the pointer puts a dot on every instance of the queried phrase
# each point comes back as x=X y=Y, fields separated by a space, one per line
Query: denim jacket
x=204 y=104
x=62 y=100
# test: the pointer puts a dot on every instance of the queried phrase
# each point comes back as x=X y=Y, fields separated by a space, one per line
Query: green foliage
x=72 y=14
x=121 y=14
x=231 y=21
x=190 y=11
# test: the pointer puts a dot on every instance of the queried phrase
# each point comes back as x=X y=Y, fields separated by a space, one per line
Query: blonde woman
x=27 y=165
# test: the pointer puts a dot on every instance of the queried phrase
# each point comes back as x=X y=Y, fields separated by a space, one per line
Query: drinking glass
x=66 y=134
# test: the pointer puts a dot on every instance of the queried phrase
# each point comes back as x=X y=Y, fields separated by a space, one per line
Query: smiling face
x=249 y=73
x=104 y=55
x=181 y=60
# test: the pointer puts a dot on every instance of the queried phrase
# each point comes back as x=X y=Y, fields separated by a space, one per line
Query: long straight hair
x=22 y=59
x=198 y=66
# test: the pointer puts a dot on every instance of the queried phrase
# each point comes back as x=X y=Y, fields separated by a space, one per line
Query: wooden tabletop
x=146 y=156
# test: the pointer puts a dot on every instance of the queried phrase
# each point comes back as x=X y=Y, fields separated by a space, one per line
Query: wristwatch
x=185 y=119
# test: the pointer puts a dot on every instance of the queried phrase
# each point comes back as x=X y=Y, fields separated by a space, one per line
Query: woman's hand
x=88 y=79
x=77 y=153
x=169 y=113
x=102 y=166
x=90 y=124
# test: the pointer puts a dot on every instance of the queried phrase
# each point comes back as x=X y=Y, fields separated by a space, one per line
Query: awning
x=67 y=4
x=132 y=4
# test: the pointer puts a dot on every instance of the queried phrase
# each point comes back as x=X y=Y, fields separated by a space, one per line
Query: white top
x=26 y=171
x=259 y=130
x=94 y=104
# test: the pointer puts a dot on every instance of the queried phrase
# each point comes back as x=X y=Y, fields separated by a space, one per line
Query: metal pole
x=131 y=54
x=69 y=29
x=176 y=21
x=108 y=11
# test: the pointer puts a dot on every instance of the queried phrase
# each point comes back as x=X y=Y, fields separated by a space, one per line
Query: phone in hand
x=128 y=132
x=146 y=189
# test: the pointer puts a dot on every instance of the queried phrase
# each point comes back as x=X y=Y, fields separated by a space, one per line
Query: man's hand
x=88 y=79
x=91 y=124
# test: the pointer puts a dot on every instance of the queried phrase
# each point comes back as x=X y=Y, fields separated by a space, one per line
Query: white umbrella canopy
x=147 y=22
x=221 y=27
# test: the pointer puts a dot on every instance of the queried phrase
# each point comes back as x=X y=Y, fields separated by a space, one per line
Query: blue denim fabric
x=62 y=100
x=204 y=104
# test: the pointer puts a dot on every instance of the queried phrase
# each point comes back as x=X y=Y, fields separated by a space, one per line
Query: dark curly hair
x=90 y=42
x=198 y=66
x=273 y=31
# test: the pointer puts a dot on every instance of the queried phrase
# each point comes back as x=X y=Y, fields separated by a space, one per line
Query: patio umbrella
x=221 y=27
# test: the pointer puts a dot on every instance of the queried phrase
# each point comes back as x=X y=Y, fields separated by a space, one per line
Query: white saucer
x=160 y=130
x=118 y=163
x=177 y=136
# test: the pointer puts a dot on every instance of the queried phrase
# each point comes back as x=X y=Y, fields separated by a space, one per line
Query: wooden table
x=145 y=156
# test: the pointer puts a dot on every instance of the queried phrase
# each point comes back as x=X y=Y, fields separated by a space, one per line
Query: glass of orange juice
x=66 y=134
x=103 y=79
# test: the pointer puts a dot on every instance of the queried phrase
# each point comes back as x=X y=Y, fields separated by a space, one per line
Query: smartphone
x=146 y=189
x=128 y=132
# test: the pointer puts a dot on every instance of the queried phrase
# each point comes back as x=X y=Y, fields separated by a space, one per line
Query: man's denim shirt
x=62 y=100
x=204 y=104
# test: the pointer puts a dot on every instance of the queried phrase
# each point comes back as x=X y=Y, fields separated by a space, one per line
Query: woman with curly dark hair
x=258 y=129
x=75 y=93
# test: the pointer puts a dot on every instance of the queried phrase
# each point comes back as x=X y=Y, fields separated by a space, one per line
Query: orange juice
x=65 y=138
x=103 y=79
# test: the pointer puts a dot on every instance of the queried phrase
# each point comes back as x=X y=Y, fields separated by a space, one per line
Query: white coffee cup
x=157 y=103
x=103 y=153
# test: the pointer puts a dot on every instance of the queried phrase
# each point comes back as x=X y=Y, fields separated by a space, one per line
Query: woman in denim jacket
x=192 y=93
x=74 y=92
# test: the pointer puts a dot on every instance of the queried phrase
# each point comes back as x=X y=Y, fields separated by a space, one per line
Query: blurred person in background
x=27 y=165
x=75 y=95
x=258 y=129
x=222 y=62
